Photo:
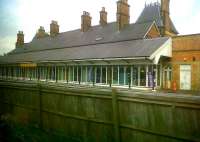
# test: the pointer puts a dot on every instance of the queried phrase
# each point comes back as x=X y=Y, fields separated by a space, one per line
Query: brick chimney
x=123 y=17
x=54 y=28
x=103 y=17
x=165 y=15
x=41 y=32
x=20 y=39
x=85 y=21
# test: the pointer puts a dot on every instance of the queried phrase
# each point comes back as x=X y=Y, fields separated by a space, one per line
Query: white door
x=185 y=77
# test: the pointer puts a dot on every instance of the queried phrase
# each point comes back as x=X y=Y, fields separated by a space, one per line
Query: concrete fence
x=89 y=114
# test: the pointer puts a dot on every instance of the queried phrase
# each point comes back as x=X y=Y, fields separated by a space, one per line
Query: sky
x=29 y=15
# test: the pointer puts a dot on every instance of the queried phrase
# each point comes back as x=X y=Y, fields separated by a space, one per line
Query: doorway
x=167 y=77
x=185 y=77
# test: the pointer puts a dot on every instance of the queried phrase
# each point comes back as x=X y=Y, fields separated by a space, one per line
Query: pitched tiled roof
x=121 y=49
x=95 y=35
x=152 y=12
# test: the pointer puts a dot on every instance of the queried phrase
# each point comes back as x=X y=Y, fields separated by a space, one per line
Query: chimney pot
x=41 y=32
x=123 y=17
x=54 y=22
x=54 y=28
x=20 y=39
x=165 y=12
x=103 y=17
x=85 y=21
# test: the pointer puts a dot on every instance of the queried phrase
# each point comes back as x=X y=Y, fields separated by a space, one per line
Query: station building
x=185 y=62
x=120 y=53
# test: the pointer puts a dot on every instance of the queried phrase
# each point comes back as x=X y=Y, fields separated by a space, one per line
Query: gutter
x=84 y=60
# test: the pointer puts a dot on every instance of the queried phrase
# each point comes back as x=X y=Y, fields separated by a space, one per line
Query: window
x=71 y=72
x=53 y=73
x=43 y=72
x=8 y=72
x=109 y=74
x=135 y=76
x=121 y=75
x=27 y=73
x=115 y=75
x=34 y=73
x=127 y=75
x=58 y=72
x=61 y=73
x=79 y=74
x=98 y=74
x=143 y=76
x=104 y=74
x=83 y=74
x=151 y=76
x=49 y=73
x=90 y=74
x=75 y=73
x=185 y=77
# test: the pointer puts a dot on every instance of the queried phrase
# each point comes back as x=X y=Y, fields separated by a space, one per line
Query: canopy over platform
x=131 y=50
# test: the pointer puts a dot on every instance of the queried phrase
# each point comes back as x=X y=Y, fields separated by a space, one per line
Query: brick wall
x=186 y=51
x=185 y=43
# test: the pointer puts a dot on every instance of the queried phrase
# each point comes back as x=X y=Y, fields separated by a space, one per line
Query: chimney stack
x=85 y=21
x=103 y=17
x=165 y=15
x=123 y=17
x=20 y=39
x=54 y=28
x=41 y=32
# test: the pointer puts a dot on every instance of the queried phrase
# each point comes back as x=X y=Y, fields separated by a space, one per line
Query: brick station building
x=144 y=54
x=186 y=62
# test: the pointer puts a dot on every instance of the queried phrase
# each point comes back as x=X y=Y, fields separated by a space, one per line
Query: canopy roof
x=148 y=48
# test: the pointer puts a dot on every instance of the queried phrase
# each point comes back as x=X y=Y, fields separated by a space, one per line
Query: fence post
x=115 y=116
x=40 y=106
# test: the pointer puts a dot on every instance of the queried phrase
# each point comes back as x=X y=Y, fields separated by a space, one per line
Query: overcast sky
x=28 y=15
